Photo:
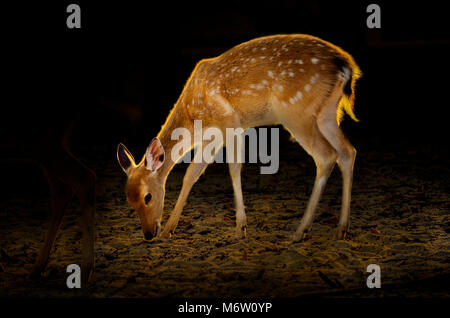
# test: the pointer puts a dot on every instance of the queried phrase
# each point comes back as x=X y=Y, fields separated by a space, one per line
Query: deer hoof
x=166 y=234
x=301 y=236
x=87 y=272
x=341 y=233
x=241 y=231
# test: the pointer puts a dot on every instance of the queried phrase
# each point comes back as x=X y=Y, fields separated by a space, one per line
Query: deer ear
x=155 y=155
x=125 y=158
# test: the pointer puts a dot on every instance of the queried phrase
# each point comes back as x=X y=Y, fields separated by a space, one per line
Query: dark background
x=142 y=53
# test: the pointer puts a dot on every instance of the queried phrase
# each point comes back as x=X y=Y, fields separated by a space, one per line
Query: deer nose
x=148 y=235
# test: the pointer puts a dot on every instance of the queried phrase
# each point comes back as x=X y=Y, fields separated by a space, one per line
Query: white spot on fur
x=270 y=73
x=265 y=82
x=299 y=95
x=284 y=104
x=292 y=100
x=291 y=74
x=307 y=88
x=228 y=109
x=314 y=60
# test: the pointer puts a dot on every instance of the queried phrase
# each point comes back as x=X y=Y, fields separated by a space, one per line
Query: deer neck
x=178 y=118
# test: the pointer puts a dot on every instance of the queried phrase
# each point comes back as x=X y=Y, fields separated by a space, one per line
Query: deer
x=301 y=82
x=67 y=178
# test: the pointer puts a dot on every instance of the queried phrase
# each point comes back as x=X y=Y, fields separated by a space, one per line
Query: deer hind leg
x=325 y=158
x=61 y=194
x=241 y=218
x=84 y=188
x=235 y=167
x=346 y=157
x=81 y=180
x=87 y=200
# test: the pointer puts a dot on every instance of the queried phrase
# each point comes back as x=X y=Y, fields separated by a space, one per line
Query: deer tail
x=350 y=72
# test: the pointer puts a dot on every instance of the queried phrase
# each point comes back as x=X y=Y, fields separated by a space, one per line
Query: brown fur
x=291 y=80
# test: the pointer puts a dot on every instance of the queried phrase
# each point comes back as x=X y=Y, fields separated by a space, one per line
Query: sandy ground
x=400 y=220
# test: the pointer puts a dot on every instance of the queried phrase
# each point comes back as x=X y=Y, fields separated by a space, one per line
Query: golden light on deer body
x=299 y=81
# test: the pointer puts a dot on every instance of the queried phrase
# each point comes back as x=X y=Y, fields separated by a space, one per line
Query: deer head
x=145 y=187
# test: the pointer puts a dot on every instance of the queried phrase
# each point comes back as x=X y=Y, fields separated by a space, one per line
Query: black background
x=142 y=53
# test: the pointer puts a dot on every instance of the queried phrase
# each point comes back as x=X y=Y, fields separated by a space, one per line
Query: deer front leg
x=193 y=172
x=323 y=172
x=241 y=218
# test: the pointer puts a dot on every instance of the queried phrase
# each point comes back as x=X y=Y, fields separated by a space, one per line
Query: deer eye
x=147 y=198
